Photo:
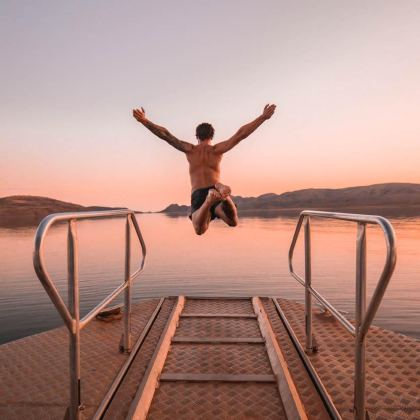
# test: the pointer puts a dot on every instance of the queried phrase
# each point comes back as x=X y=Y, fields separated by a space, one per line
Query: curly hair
x=204 y=131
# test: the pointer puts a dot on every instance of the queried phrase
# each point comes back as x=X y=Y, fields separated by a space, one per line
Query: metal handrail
x=364 y=317
x=70 y=313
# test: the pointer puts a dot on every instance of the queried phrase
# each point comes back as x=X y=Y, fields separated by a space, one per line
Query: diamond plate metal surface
x=34 y=370
x=34 y=378
x=218 y=327
x=392 y=365
x=218 y=358
x=216 y=306
x=183 y=400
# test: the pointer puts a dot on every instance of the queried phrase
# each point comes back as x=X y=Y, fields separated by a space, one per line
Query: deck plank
x=144 y=395
x=215 y=377
x=215 y=340
x=210 y=315
x=291 y=400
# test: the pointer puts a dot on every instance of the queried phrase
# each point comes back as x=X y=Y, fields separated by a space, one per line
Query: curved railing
x=364 y=317
x=71 y=313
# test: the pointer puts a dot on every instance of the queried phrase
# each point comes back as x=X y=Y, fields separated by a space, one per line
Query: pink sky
x=345 y=77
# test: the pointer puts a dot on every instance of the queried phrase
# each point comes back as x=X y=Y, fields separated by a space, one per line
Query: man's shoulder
x=217 y=149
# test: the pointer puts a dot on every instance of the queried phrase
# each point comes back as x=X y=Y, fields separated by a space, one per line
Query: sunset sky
x=345 y=77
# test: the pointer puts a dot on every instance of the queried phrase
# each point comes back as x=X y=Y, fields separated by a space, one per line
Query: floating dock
x=210 y=358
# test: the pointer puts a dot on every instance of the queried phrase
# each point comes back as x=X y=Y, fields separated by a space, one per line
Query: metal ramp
x=225 y=351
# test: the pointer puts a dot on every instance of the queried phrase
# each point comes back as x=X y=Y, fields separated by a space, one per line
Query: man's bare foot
x=224 y=190
x=213 y=196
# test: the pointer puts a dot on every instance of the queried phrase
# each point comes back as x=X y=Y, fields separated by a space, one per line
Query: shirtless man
x=210 y=198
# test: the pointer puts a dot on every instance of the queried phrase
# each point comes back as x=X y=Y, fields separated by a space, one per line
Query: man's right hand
x=139 y=115
x=268 y=111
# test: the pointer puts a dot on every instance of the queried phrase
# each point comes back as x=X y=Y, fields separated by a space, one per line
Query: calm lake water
x=250 y=259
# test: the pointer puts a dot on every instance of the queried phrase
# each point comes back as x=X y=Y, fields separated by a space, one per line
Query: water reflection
x=250 y=259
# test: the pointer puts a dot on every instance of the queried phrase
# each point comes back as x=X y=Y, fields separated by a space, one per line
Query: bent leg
x=201 y=217
x=227 y=211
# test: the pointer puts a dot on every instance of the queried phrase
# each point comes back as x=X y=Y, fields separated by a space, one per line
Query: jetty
x=190 y=357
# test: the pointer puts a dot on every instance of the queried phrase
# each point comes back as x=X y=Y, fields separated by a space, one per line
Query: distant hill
x=392 y=199
x=27 y=210
x=176 y=208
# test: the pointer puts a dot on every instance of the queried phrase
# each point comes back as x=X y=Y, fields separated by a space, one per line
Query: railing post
x=127 y=291
x=73 y=300
x=308 y=279
x=360 y=345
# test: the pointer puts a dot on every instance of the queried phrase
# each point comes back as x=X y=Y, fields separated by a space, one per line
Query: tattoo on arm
x=164 y=134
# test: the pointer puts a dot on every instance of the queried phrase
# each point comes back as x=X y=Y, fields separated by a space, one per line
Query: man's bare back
x=204 y=165
x=210 y=198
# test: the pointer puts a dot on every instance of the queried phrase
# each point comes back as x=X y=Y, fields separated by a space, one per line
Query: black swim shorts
x=197 y=199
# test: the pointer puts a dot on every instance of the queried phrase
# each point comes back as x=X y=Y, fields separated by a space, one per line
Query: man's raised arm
x=245 y=130
x=161 y=132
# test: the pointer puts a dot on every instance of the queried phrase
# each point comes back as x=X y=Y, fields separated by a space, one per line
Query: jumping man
x=210 y=199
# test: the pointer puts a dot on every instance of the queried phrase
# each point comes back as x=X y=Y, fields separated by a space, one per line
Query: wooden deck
x=210 y=358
